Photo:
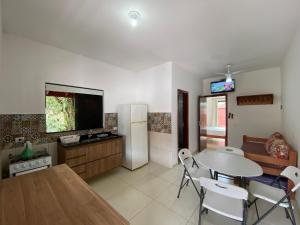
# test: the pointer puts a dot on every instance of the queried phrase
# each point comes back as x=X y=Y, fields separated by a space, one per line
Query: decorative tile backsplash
x=111 y=121
x=33 y=127
x=159 y=122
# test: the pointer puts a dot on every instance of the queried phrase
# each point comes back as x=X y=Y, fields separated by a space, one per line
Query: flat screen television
x=222 y=86
x=71 y=108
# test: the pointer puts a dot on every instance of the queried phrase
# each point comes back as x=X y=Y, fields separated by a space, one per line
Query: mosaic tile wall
x=159 y=122
x=33 y=128
x=111 y=121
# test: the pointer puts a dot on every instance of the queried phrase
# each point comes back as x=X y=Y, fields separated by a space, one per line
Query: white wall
x=290 y=93
x=253 y=120
x=158 y=87
x=290 y=96
x=186 y=81
x=27 y=65
x=154 y=87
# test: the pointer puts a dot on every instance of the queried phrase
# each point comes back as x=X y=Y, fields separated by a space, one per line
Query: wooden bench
x=254 y=149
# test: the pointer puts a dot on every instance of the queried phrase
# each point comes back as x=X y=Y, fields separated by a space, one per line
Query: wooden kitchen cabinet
x=102 y=165
x=91 y=159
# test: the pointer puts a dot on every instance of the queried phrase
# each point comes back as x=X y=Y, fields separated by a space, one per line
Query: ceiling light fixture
x=228 y=78
x=229 y=73
x=135 y=17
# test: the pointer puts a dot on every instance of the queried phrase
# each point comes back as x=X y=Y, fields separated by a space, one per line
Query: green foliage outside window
x=60 y=114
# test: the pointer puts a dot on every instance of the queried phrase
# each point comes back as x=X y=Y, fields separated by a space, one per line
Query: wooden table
x=55 y=196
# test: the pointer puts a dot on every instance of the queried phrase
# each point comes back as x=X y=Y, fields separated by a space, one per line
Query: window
x=60 y=111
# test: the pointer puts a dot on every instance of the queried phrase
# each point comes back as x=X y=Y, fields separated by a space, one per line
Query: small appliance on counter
x=29 y=161
x=69 y=139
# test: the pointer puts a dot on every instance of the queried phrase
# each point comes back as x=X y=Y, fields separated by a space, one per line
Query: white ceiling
x=199 y=35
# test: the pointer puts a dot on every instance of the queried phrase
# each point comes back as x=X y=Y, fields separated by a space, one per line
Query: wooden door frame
x=198 y=106
x=179 y=91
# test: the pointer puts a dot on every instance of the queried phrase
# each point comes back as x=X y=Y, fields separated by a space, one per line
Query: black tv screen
x=89 y=112
x=222 y=86
x=71 y=108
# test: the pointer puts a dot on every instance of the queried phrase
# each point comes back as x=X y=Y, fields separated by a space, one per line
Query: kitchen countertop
x=90 y=141
x=54 y=196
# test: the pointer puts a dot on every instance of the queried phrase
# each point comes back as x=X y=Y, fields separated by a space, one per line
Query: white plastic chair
x=276 y=196
x=225 y=199
x=192 y=171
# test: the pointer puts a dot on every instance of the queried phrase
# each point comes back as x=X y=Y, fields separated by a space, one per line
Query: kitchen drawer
x=94 y=168
x=79 y=169
x=76 y=161
x=75 y=152
x=102 y=165
x=83 y=175
x=112 y=162
x=105 y=149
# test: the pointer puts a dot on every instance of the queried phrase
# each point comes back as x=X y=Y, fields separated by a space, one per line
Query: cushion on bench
x=277 y=147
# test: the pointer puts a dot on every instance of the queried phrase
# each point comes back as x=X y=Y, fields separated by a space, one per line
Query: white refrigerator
x=132 y=123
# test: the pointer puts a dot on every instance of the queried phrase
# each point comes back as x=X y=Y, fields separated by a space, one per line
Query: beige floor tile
x=211 y=219
x=148 y=196
x=172 y=175
x=191 y=223
x=134 y=177
x=120 y=171
x=157 y=214
x=177 y=182
x=168 y=197
x=186 y=203
x=214 y=219
x=106 y=186
x=157 y=169
x=152 y=186
x=276 y=217
x=129 y=202
x=194 y=218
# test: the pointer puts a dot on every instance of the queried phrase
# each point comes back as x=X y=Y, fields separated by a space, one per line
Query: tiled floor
x=147 y=196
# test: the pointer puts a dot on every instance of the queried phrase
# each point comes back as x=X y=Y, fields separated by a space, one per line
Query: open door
x=213 y=121
x=183 y=119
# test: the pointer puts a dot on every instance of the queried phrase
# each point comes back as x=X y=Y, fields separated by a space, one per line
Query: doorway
x=183 y=119
x=213 y=121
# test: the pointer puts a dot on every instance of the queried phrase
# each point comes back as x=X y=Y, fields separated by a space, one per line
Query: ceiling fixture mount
x=229 y=73
x=135 y=17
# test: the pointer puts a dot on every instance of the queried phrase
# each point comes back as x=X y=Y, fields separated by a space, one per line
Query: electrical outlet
x=19 y=139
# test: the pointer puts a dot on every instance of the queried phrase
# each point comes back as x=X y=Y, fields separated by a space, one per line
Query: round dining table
x=229 y=164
